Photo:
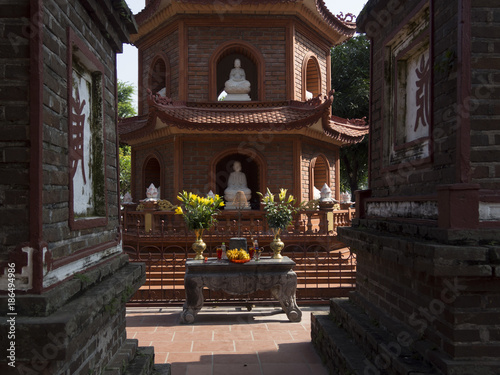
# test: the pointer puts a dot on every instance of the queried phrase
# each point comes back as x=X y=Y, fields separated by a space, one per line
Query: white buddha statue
x=237 y=182
x=237 y=87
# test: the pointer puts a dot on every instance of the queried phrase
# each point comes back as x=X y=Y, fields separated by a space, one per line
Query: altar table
x=275 y=275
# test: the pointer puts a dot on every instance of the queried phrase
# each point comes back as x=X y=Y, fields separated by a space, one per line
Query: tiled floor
x=228 y=340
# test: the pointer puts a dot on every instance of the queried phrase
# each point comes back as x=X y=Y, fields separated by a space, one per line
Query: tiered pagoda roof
x=337 y=28
x=243 y=117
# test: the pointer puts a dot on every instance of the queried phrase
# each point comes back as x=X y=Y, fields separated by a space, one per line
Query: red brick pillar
x=458 y=206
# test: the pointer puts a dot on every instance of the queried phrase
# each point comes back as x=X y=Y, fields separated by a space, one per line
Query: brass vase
x=199 y=246
x=277 y=245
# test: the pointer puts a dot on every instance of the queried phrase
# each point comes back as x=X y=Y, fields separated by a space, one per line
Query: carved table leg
x=194 y=299
x=285 y=294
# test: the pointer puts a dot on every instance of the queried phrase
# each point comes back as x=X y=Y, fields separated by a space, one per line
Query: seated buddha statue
x=237 y=182
x=237 y=87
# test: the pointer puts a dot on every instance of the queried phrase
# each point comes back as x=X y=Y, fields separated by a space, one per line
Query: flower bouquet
x=199 y=214
x=279 y=215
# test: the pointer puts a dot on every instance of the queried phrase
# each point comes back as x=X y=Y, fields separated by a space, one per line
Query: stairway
x=352 y=342
x=134 y=360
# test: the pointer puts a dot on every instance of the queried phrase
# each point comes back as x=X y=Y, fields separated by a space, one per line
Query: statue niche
x=237 y=87
x=237 y=182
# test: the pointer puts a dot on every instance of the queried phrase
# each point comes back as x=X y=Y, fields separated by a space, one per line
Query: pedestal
x=275 y=275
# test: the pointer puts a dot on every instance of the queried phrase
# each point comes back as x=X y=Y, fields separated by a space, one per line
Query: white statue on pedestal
x=237 y=87
x=237 y=182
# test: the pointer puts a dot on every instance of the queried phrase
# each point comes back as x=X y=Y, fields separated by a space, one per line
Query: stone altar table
x=275 y=275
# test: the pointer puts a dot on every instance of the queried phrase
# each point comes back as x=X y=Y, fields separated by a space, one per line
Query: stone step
x=425 y=349
x=133 y=360
x=390 y=346
x=336 y=348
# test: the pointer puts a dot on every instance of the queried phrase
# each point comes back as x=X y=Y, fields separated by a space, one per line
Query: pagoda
x=249 y=82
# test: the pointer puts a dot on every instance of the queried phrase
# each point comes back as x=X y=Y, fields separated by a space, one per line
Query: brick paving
x=228 y=340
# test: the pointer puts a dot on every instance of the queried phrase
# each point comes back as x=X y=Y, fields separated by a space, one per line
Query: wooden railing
x=325 y=267
x=166 y=224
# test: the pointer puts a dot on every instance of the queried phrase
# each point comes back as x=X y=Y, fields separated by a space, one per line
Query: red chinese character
x=76 y=131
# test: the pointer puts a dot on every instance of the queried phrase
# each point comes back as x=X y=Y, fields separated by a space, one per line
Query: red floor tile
x=227 y=341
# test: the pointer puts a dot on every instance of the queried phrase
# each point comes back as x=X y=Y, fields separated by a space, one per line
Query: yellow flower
x=282 y=194
x=178 y=211
x=222 y=204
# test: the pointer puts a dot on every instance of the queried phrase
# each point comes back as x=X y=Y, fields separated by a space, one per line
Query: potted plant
x=199 y=214
x=279 y=215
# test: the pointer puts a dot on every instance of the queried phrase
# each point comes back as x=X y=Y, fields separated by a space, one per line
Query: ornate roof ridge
x=243 y=116
x=353 y=123
x=148 y=11
x=346 y=130
x=339 y=22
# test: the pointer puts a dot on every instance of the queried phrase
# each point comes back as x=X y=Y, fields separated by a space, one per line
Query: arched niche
x=311 y=76
x=159 y=75
x=222 y=61
x=152 y=174
x=252 y=165
x=319 y=174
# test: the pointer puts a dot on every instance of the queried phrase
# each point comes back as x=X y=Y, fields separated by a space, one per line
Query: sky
x=127 y=61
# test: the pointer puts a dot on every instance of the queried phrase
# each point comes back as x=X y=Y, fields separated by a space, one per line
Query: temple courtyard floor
x=228 y=340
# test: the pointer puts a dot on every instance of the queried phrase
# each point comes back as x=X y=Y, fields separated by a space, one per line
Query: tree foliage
x=125 y=105
x=125 y=109
x=125 y=168
x=350 y=79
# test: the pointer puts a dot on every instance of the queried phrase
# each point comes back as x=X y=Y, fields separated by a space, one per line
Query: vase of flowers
x=199 y=214
x=279 y=215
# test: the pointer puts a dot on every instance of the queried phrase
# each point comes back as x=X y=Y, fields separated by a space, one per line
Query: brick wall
x=58 y=17
x=168 y=46
x=197 y=157
x=414 y=178
x=485 y=105
x=303 y=45
x=14 y=125
x=164 y=152
x=309 y=152
x=203 y=41
x=440 y=283
x=446 y=294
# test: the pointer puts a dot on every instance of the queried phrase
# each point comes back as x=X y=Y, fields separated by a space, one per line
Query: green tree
x=125 y=109
x=351 y=81
x=125 y=105
x=125 y=168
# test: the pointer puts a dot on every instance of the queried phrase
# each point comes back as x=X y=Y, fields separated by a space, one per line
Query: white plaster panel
x=82 y=189
x=489 y=211
x=414 y=210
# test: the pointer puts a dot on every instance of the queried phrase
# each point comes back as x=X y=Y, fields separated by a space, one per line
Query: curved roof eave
x=157 y=11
